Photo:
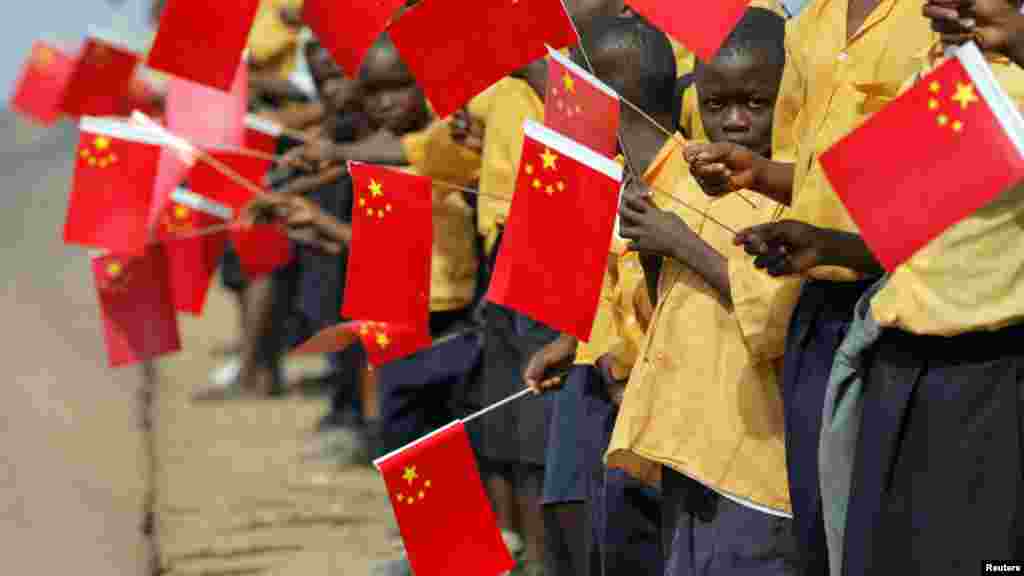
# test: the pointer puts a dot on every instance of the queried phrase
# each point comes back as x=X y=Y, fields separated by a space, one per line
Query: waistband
x=970 y=347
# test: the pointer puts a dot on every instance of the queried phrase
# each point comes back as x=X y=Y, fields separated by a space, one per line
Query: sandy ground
x=231 y=491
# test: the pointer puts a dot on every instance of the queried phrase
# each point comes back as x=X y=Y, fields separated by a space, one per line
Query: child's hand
x=467 y=131
x=314 y=156
x=721 y=167
x=785 y=247
x=996 y=25
x=550 y=358
x=649 y=229
x=616 y=388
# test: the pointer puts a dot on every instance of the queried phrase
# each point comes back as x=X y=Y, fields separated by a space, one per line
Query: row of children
x=689 y=437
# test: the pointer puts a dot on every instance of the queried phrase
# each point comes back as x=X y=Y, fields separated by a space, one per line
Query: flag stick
x=497 y=405
x=695 y=209
x=207 y=231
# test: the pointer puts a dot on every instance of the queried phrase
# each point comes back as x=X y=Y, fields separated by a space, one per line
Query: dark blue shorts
x=566 y=464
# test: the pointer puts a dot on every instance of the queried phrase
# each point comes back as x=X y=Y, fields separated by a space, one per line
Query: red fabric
x=580 y=110
x=261 y=249
x=203 y=41
x=382 y=342
x=348 y=30
x=135 y=306
x=389 y=259
x=192 y=260
x=902 y=193
x=554 y=251
x=700 y=26
x=260 y=141
x=101 y=80
x=443 y=514
x=111 y=193
x=454 y=61
x=39 y=90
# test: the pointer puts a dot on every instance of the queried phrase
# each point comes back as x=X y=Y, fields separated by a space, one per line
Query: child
x=845 y=59
x=700 y=411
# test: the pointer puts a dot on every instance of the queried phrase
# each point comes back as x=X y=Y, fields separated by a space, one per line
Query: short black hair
x=656 y=68
x=761 y=31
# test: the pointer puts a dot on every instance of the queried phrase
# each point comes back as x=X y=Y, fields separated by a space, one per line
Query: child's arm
x=539 y=374
x=721 y=168
x=790 y=247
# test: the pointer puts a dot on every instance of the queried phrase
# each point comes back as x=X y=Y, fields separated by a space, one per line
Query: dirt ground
x=231 y=491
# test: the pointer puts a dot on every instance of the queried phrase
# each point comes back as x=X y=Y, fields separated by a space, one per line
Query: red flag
x=40 y=88
x=191 y=258
x=116 y=166
x=262 y=248
x=903 y=194
x=581 y=107
x=203 y=41
x=443 y=514
x=135 y=303
x=388 y=276
x=700 y=26
x=453 y=62
x=101 y=80
x=555 y=247
x=347 y=31
x=382 y=342
x=261 y=134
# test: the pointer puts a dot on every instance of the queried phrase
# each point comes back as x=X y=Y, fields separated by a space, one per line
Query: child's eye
x=757 y=104
x=714 y=104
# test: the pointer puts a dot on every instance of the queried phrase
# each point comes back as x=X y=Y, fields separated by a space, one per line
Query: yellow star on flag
x=376 y=189
x=410 y=474
x=114 y=269
x=569 y=82
x=382 y=340
x=101 y=143
x=549 y=158
x=965 y=95
x=935 y=86
x=181 y=212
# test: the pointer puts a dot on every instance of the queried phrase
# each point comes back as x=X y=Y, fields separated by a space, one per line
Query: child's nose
x=737 y=118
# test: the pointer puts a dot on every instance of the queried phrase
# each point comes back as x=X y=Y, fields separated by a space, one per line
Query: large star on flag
x=177 y=218
x=373 y=202
x=416 y=491
x=541 y=180
x=116 y=276
x=98 y=153
x=963 y=97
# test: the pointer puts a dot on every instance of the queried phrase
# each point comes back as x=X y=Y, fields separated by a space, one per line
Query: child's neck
x=643 y=141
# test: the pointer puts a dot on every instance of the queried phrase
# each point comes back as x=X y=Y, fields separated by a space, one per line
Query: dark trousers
x=707 y=535
x=818 y=326
x=625 y=514
x=938 y=484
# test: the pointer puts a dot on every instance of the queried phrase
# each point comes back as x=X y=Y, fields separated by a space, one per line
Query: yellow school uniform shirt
x=969 y=278
x=509 y=103
x=697 y=401
x=271 y=41
x=829 y=87
x=454 y=263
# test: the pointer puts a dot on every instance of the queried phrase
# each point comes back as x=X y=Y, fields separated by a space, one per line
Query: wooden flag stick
x=227 y=226
x=695 y=209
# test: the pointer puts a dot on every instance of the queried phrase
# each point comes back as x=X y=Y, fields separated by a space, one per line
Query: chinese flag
x=454 y=62
x=580 y=106
x=135 y=303
x=191 y=258
x=260 y=134
x=700 y=26
x=101 y=81
x=443 y=514
x=261 y=249
x=348 y=30
x=112 y=189
x=555 y=248
x=203 y=41
x=207 y=117
x=382 y=342
x=388 y=277
x=903 y=195
x=39 y=90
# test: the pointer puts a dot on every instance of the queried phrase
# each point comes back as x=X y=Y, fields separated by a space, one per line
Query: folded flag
x=261 y=134
x=454 y=62
x=555 y=248
x=203 y=41
x=101 y=80
x=444 y=515
x=700 y=26
x=383 y=342
x=112 y=189
x=347 y=31
x=207 y=117
x=388 y=272
x=580 y=106
x=39 y=90
x=135 y=303
x=902 y=196
x=192 y=258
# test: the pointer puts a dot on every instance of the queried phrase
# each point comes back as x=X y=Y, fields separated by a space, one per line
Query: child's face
x=736 y=95
x=391 y=97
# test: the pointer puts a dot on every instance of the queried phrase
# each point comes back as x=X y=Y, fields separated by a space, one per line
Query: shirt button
x=842 y=56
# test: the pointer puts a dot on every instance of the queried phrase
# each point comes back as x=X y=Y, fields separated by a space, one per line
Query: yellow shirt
x=271 y=41
x=510 y=102
x=454 y=263
x=968 y=279
x=697 y=401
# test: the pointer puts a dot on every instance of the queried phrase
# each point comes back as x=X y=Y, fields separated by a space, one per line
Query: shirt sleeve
x=433 y=153
x=270 y=38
